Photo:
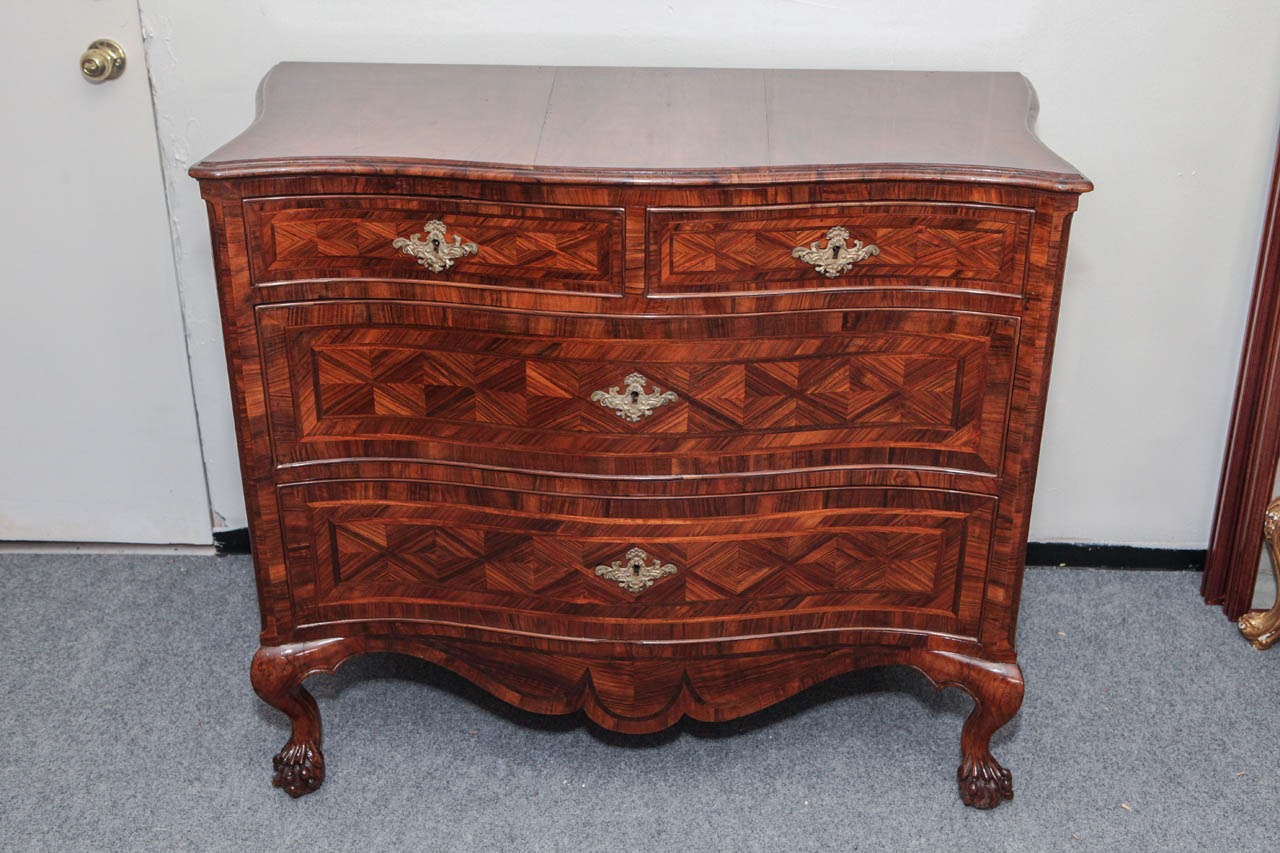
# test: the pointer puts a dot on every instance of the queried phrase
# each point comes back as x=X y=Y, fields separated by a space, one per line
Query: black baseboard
x=231 y=541
x=1114 y=556
x=1038 y=554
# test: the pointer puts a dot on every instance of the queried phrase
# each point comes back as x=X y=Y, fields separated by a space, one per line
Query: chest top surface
x=643 y=125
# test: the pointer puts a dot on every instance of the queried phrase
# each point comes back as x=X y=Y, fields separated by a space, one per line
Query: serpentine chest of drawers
x=646 y=392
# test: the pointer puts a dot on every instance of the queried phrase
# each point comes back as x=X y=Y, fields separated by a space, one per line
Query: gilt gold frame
x=1262 y=627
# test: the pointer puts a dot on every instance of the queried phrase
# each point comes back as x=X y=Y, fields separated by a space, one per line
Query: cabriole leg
x=277 y=673
x=996 y=689
x=997 y=695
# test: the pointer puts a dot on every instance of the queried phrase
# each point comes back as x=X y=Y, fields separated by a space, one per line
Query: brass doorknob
x=103 y=61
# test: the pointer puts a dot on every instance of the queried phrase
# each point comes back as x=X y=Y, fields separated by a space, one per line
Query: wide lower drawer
x=537 y=247
x=581 y=566
x=698 y=251
x=626 y=395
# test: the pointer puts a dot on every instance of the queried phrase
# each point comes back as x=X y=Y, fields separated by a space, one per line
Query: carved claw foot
x=996 y=689
x=277 y=674
x=299 y=768
x=984 y=784
x=997 y=694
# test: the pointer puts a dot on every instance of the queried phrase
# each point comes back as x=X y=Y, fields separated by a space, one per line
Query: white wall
x=1172 y=108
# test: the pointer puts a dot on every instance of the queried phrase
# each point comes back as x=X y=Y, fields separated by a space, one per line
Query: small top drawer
x=695 y=251
x=537 y=247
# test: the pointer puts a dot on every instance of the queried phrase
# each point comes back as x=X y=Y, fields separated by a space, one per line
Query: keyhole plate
x=633 y=572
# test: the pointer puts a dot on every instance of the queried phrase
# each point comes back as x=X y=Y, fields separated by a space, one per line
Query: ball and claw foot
x=984 y=784
x=277 y=673
x=996 y=688
x=299 y=768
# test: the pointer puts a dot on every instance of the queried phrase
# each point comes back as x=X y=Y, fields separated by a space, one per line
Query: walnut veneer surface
x=706 y=386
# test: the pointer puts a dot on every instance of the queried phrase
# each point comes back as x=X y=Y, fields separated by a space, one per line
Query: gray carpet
x=127 y=721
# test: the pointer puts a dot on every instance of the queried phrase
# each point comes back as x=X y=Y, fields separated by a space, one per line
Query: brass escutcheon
x=434 y=251
x=837 y=256
x=632 y=573
x=634 y=403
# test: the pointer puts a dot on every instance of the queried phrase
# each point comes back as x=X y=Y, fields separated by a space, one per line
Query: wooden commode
x=647 y=392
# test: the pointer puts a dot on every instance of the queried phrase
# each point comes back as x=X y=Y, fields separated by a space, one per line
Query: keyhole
x=635 y=569
x=435 y=244
x=635 y=396
x=835 y=250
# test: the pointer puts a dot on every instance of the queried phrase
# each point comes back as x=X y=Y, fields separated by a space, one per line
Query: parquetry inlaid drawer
x=362 y=544
x=881 y=244
x=635 y=395
x=548 y=247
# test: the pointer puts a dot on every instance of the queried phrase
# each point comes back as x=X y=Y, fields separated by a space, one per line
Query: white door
x=98 y=437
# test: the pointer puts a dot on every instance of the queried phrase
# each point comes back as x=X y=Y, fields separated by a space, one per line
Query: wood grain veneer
x=842 y=479
x=557 y=247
